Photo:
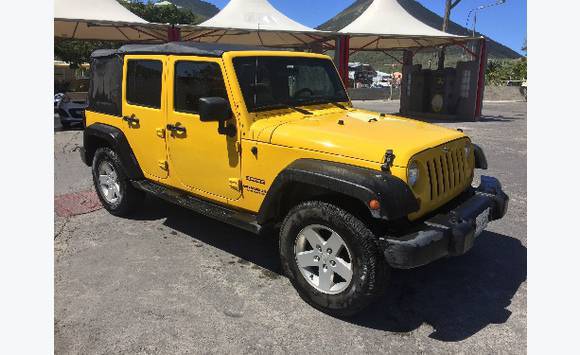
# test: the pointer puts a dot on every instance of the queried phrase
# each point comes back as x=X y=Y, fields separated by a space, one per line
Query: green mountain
x=201 y=8
x=496 y=50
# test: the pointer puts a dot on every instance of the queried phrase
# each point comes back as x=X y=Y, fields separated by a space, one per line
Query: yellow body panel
x=149 y=149
x=209 y=165
x=201 y=160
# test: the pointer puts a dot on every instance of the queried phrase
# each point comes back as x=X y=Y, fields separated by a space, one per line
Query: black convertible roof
x=184 y=48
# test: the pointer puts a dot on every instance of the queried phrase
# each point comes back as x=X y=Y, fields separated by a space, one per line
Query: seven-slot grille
x=447 y=172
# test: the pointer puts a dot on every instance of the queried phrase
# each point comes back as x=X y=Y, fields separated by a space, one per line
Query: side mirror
x=214 y=109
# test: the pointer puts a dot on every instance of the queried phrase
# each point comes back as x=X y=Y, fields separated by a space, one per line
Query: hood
x=359 y=134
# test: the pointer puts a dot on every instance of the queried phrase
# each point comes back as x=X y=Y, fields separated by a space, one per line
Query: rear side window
x=144 y=82
x=194 y=80
x=105 y=85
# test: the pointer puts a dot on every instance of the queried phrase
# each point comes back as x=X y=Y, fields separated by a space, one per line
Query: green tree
x=499 y=72
x=77 y=52
x=161 y=14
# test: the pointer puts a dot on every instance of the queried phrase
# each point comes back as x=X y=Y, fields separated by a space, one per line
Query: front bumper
x=447 y=234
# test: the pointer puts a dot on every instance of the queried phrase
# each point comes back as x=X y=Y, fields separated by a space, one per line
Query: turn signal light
x=374 y=204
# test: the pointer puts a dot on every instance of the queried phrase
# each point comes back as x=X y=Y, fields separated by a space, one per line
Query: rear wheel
x=113 y=187
x=331 y=258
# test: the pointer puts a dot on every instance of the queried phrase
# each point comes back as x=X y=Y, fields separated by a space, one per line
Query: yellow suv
x=269 y=140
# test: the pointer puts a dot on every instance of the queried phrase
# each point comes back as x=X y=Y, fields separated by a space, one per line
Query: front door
x=200 y=158
x=144 y=112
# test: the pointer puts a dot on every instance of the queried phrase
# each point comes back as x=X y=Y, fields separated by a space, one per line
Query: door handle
x=131 y=119
x=174 y=128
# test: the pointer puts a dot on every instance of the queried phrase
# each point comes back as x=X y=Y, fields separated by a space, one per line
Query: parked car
x=269 y=140
x=57 y=98
x=72 y=104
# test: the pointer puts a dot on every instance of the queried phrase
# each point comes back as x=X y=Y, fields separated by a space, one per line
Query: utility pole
x=449 y=5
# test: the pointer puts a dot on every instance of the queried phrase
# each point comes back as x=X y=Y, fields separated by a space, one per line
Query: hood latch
x=388 y=161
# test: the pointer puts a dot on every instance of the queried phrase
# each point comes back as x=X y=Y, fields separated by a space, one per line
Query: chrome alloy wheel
x=323 y=259
x=109 y=182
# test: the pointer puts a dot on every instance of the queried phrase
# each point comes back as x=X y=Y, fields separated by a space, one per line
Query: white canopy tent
x=252 y=22
x=385 y=25
x=103 y=20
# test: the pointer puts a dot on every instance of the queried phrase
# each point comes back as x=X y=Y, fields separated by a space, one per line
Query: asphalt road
x=170 y=281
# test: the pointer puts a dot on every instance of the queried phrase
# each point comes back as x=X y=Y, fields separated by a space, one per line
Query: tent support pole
x=141 y=30
x=342 y=52
x=173 y=34
x=192 y=36
x=393 y=57
x=465 y=47
x=481 y=78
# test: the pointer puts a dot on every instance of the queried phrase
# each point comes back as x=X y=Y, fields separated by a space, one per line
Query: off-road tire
x=130 y=199
x=370 y=271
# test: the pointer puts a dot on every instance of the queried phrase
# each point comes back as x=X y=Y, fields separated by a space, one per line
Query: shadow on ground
x=458 y=296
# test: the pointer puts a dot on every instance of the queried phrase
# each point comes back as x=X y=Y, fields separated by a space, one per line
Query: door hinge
x=160 y=132
x=235 y=184
x=238 y=147
x=163 y=164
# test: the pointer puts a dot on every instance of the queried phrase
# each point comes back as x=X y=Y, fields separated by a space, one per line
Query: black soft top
x=183 y=48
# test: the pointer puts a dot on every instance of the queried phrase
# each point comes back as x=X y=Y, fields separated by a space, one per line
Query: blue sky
x=505 y=23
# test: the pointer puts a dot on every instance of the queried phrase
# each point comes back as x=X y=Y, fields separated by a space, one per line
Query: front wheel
x=113 y=187
x=331 y=258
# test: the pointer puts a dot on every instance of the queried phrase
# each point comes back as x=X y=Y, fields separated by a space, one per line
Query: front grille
x=447 y=173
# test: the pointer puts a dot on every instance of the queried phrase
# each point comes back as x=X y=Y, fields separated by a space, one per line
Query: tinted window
x=194 y=80
x=144 y=82
x=105 y=85
x=274 y=82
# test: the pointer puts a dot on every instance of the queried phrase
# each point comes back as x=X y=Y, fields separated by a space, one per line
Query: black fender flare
x=395 y=197
x=480 y=159
x=98 y=135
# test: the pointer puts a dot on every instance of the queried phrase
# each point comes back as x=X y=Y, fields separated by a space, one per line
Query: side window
x=194 y=80
x=144 y=83
x=105 y=88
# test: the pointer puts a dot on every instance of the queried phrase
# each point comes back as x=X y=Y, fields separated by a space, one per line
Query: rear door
x=144 y=111
x=201 y=158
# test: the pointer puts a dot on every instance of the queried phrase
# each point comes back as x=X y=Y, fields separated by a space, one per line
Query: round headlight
x=467 y=150
x=413 y=173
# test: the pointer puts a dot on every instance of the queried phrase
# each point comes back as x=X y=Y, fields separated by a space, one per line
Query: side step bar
x=236 y=218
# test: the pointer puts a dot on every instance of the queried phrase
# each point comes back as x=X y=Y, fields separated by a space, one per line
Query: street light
x=481 y=7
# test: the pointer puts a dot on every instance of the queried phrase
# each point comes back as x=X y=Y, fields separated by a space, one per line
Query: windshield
x=275 y=82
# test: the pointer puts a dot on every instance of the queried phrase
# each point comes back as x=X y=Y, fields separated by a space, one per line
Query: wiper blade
x=301 y=110
x=284 y=105
x=338 y=105
x=326 y=100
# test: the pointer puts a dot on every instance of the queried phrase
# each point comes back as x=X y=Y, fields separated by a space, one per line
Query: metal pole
x=474 y=23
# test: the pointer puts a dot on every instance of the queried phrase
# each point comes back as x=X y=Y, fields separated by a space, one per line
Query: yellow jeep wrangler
x=269 y=139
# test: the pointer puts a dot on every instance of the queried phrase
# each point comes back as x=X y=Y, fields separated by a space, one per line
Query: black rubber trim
x=395 y=196
x=480 y=159
x=244 y=220
x=98 y=134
